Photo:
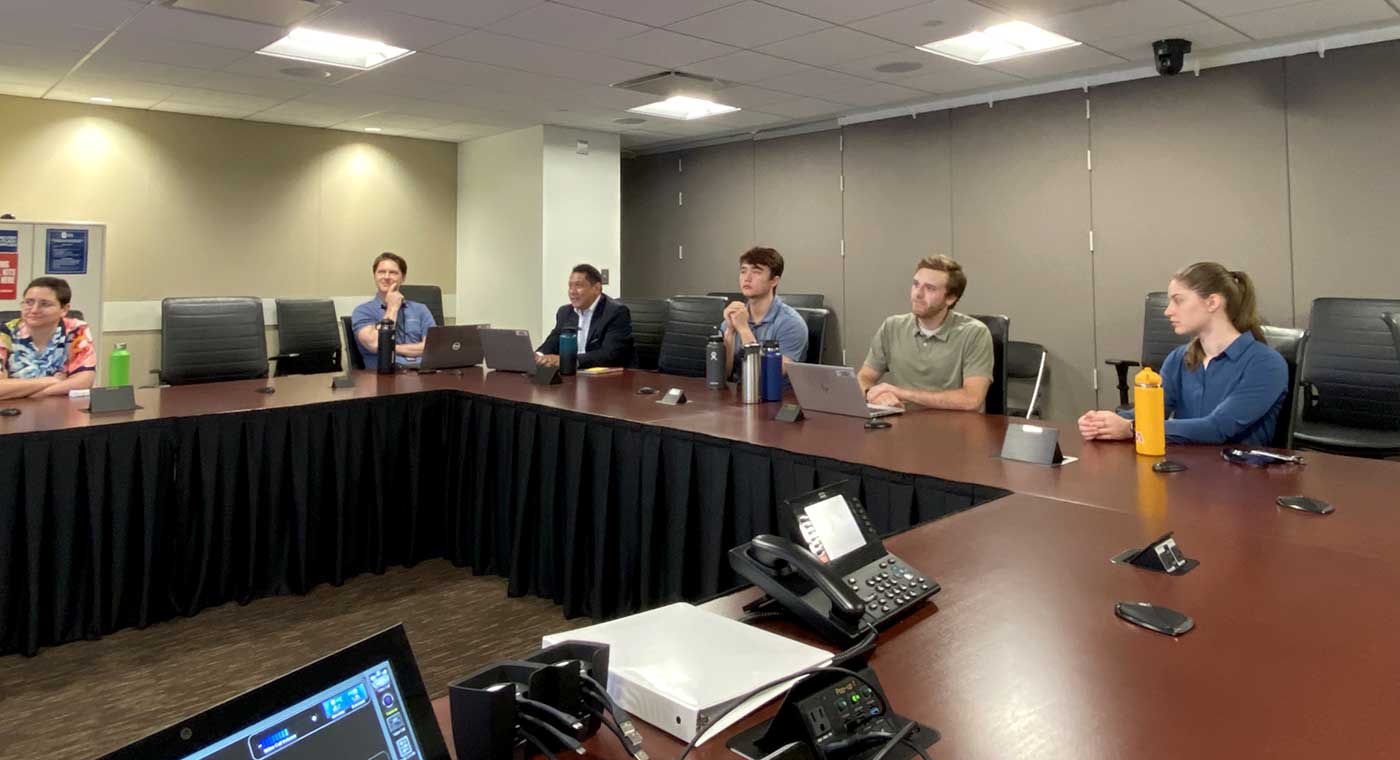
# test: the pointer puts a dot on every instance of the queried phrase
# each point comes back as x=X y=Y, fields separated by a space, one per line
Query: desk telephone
x=833 y=572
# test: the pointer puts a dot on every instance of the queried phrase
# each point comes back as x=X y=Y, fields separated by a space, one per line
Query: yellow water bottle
x=1149 y=414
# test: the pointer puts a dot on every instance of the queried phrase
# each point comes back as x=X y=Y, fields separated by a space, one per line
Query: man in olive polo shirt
x=933 y=356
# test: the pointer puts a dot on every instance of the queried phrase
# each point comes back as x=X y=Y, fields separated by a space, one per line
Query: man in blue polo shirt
x=411 y=319
x=762 y=316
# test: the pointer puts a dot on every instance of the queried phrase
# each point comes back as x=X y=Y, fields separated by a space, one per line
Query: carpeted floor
x=83 y=699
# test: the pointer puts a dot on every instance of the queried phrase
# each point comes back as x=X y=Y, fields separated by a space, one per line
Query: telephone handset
x=833 y=572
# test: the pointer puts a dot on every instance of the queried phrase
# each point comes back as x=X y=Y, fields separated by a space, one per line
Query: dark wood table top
x=1021 y=656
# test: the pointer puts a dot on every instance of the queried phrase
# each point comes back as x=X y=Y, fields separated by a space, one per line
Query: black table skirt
x=128 y=525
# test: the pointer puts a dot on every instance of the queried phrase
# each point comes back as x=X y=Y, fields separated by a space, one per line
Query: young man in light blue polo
x=411 y=319
x=762 y=315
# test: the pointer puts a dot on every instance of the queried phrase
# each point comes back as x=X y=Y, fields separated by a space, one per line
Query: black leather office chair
x=690 y=321
x=6 y=316
x=1000 y=325
x=1288 y=341
x=352 y=346
x=203 y=340
x=816 y=320
x=648 y=327
x=1028 y=362
x=1349 y=379
x=428 y=295
x=804 y=300
x=1158 y=340
x=728 y=296
x=308 y=337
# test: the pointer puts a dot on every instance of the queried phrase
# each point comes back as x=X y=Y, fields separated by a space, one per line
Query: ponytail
x=1241 y=303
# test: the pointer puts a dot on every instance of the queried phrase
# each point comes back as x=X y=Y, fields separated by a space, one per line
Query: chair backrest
x=729 y=297
x=6 y=316
x=1288 y=341
x=352 y=346
x=204 y=340
x=648 y=327
x=816 y=320
x=690 y=321
x=1350 y=359
x=428 y=295
x=1000 y=325
x=1158 y=337
x=307 y=327
x=804 y=300
x=1024 y=361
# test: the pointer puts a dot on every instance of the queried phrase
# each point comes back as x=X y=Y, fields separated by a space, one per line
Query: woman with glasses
x=1225 y=386
x=45 y=352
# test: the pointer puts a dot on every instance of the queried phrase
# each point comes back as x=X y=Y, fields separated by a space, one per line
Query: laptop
x=835 y=390
x=451 y=347
x=508 y=350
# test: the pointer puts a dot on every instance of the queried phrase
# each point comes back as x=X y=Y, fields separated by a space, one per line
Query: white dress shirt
x=585 y=321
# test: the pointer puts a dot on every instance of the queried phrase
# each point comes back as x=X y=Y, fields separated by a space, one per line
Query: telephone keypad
x=889 y=588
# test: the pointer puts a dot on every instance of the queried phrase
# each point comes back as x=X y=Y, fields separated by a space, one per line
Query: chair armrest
x=1122 y=366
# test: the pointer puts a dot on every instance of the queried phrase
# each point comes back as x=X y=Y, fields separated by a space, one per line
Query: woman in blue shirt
x=1225 y=386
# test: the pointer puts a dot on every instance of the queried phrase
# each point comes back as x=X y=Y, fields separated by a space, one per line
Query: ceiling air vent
x=280 y=13
x=671 y=83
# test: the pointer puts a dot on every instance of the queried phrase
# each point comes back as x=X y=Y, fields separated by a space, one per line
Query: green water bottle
x=119 y=366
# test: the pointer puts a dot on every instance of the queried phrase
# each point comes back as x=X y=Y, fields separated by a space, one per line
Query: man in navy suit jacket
x=604 y=325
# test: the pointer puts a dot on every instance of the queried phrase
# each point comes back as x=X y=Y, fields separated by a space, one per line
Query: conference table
x=221 y=491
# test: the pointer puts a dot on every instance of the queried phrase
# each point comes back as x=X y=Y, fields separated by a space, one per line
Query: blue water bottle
x=568 y=351
x=772 y=371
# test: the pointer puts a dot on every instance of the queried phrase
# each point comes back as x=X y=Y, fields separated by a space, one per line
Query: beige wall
x=197 y=205
x=500 y=230
x=1283 y=168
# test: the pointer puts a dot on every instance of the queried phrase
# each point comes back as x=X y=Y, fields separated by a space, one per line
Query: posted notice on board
x=66 y=252
x=9 y=265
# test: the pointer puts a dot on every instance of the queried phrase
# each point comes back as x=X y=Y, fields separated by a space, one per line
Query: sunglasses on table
x=1258 y=458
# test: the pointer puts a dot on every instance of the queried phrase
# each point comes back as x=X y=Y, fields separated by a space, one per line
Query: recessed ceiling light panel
x=998 y=43
x=303 y=44
x=683 y=107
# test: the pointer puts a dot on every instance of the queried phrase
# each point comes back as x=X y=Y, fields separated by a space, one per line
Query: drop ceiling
x=488 y=66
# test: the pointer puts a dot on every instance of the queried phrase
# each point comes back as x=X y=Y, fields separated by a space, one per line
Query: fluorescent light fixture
x=683 y=107
x=373 y=129
x=998 y=43
x=100 y=100
x=334 y=49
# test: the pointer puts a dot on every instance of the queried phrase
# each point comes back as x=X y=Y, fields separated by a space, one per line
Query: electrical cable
x=895 y=738
x=605 y=719
x=563 y=738
x=550 y=710
x=917 y=749
x=539 y=745
x=624 y=721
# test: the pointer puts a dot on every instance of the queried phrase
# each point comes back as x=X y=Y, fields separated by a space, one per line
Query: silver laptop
x=824 y=388
x=508 y=350
x=452 y=346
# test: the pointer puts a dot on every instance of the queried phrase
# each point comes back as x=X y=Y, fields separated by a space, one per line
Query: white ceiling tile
x=201 y=29
x=385 y=82
x=670 y=50
x=279 y=89
x=843 y=11
x=1057 y=63
x=947 y=76
x=740 y=119
x=394 y=122
x=398 y=29
x=1037 y=9
x=126 y=94
x=873 y=94
x=1122 y=18
x=25 y=28
x=745 y=66
x=490 y=100
x=1222 y=8
x=814 y=83
x=606 y=98
x=831 y=46
x=932 y=21
x=561 y=25
x=192 y=109
x=805 y=108
x=358 y=102
x=42 y=58
x=462 y=130
x=748 y=24
x=651 y=12
x=112 y=66
x=1204 y=36
x=910 y=62
x=437 y=110
x=195 y=96
x=94 y=13
x=307 y=114
x=21 y=89
x=275 y=68
x=471 y=13
x=749 y=96
x=1316 y=16
x=488 y=47
x=171 y=52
